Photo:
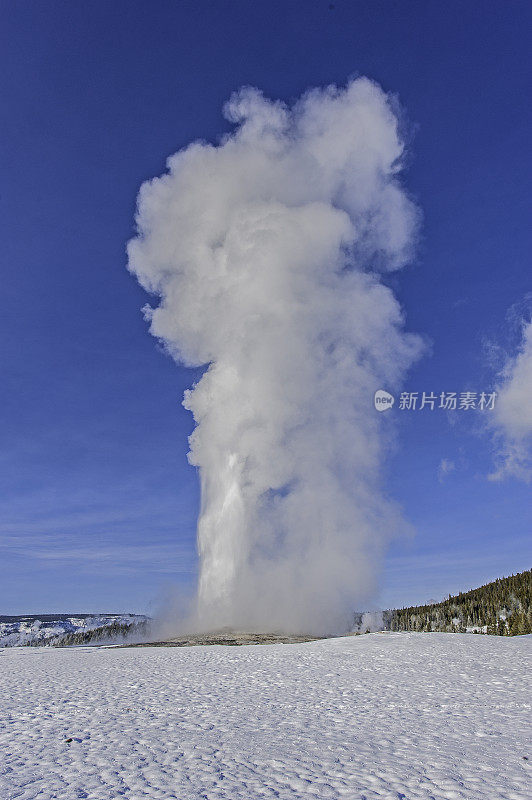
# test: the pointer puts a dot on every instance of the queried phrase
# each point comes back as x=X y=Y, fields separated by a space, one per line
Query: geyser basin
x=228 y=637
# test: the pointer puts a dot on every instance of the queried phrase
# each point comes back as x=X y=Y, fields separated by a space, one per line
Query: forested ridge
x=115 y=631
x=503 y=607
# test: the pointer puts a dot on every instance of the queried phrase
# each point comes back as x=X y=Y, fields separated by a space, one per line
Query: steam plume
x=266 y=252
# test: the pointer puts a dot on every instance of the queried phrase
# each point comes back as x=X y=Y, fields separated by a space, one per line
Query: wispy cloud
x=512 y=420
x=105 y=556
x=446 y=466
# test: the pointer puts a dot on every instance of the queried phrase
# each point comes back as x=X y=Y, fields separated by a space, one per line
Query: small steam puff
x=266 y=253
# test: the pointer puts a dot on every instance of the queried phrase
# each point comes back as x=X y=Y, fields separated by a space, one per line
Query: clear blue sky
x=97 y=501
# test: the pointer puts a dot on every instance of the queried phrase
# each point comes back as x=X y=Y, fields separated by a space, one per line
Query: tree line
x=502 y=607
x=111 y=632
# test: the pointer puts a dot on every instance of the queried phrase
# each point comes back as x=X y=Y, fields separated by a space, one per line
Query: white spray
x=266 y=252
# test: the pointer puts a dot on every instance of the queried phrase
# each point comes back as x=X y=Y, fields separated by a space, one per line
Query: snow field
x=403 y=716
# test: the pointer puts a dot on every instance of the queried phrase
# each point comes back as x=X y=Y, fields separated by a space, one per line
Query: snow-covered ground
x=385 y=715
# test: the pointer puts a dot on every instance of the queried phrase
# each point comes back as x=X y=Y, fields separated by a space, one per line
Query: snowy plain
x=383 y=715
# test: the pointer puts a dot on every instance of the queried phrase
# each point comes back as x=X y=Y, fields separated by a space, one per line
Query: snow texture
x=383 y=715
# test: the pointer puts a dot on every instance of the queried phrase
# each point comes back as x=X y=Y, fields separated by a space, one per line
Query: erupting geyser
x=267 y=252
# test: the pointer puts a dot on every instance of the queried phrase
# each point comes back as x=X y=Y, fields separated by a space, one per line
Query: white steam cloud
x=512 y=418
x=266 y=252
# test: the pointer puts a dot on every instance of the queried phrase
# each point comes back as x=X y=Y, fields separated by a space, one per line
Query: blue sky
x=97 y=501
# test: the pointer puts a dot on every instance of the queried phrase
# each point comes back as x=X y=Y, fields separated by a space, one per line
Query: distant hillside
x=59 y=630
x=503 y=607
x=112 y=631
